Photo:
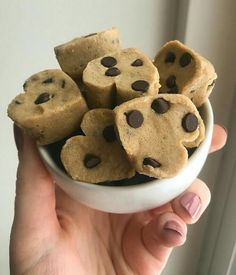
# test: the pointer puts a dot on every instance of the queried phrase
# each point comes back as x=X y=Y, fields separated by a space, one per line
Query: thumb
x=35 y=190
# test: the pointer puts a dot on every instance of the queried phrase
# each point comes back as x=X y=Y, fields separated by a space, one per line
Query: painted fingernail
x=174 y=226
x=191 y=202
x=18 y=138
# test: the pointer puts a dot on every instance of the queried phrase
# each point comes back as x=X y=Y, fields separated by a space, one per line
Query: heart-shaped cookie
x=51 y=107
x=98 y=156
x=183 y=71
x=119 y=77
x=155 y=130
x=74 y=55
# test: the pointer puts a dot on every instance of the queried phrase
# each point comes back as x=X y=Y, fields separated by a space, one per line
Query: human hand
x=53 y=234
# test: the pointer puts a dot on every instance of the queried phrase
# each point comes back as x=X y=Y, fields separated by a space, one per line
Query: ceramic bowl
x=141 y=193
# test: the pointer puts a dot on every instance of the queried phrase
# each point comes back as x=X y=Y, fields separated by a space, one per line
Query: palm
x=53 y=234
x=107 y=243
x=86 y=241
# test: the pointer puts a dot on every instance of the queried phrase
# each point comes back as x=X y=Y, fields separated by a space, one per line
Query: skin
x=53 y=234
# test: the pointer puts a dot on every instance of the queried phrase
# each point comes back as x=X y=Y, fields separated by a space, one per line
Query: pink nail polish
x=174 y=226
x=191 y=202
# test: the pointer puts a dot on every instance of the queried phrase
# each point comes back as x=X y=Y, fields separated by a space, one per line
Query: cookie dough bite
x=119 y=77
x=49 y=79
x=98 y=156
x=154 y=131
x=82 y=87
x=51 y=108
x=99 y=122
x=74 y=55
x=184 y=71
x=93 y=160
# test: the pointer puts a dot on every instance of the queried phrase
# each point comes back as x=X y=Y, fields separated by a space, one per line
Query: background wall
x=29 y=31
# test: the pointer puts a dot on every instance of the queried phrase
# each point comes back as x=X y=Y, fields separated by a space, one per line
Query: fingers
x=166 y=230
x=169 y=229
x=218 y=139
x=35 y=196
x=146 y=246
x=162 y=234
x=167 y=226
x=190 y=205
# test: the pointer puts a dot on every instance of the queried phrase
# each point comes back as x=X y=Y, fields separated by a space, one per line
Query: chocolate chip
x=160 y=105
x=191 y=92
x=17 y=102
x=90 y=161
x=190 y=122
x=134 y=118
x=185 y=59
x=108 y=61
x=42 y=98
x=151 y=162
x=112 y=71
x=191 y=151
x=171 y=81
x=170 y=57
x=63 y=84
x=138 y=62
x=173 y=90
x=48 y=80
x=109 y=133
x=91 y=34
x=140 y=85
x=25 y=85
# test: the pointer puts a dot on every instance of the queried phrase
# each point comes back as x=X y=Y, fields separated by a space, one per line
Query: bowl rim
x=208 y=119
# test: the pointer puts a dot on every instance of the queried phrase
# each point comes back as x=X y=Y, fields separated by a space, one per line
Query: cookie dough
x=98 y=156
x=74 y=55
x=97 y=123
x=119 y=77
x=154 y=131
x=185 y=72
x=51 y=107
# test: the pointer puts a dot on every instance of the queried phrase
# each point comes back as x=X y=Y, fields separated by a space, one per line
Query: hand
x=53 y=234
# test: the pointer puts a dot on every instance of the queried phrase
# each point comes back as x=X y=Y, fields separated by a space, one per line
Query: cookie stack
x=137 y=116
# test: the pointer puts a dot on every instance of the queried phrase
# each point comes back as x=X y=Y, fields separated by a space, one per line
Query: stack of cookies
x=136 y=115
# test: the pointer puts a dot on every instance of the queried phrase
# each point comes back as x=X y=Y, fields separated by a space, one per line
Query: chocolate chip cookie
x=183 y=71
x=119 y=77
x=51 y=107
x=74 y=55
x=98 y=156
x=155 y=130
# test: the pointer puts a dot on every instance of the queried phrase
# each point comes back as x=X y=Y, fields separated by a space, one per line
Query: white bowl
x=138 y=197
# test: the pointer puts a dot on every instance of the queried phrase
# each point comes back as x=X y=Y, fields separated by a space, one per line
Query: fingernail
x=18 y=137
x=191 y=202
x=174 y=226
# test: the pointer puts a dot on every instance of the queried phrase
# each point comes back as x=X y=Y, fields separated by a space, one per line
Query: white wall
x=29 y=31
